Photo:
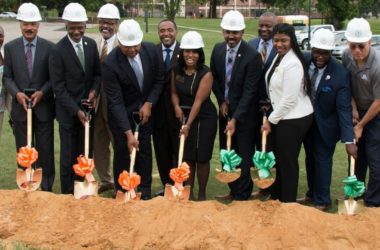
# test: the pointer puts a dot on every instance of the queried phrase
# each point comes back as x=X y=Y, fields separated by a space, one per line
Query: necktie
x=263 y=52
x=138 y=73
x=229 y=67
x=167 y=58
x=29 y=58
x=104 y=52
x=80 y=55
x=313 y=81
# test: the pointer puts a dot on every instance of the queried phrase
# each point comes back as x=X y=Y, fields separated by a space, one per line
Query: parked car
x=8 y=14
x=340 y=38
x=303 y=36
x=338 y=51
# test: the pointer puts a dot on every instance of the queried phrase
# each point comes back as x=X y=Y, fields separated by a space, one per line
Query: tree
x=172 y=7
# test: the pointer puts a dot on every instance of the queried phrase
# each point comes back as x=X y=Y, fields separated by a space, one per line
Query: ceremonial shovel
x=28 y=179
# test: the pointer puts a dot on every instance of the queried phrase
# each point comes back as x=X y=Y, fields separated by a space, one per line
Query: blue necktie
x=167 y=58
x=229 y=67
x=29 y=58
x=138 y=72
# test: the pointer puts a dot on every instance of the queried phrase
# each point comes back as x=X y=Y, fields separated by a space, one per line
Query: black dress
x=200 y=142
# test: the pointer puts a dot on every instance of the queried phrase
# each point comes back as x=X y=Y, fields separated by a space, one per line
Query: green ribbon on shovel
x=264 y=161
x=353 y=188
x=230 y=160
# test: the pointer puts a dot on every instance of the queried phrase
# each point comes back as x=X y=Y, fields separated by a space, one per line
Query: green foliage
x=172 y=7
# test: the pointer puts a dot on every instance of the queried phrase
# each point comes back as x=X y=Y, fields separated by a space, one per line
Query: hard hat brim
x=232 y=28
x=354 y=39
x=29 y=20
x=133 y=42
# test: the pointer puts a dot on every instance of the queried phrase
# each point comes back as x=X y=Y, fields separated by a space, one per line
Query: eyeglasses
x=360 y=46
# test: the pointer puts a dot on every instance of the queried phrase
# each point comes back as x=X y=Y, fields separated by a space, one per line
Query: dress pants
x=287 y=137
x=102 y=141
x=143 y=164
x=319 y=161
x=369 y=155
x=43 y=141
x=72 y=146
x=243 y=142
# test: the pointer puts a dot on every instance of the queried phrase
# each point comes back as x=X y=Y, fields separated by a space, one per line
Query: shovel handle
x=29 y=126
x=133 y=155
x=86 y=138
x=229 y=139
x=264 y=136
x=181 y=147
x=352 y=166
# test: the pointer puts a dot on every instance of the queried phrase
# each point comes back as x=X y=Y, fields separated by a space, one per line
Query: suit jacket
x=121 y=86
x=71 y=83
x=244 y=84
x=164 y=111
x=16 y=77
x=285 y=89
x=332 y=106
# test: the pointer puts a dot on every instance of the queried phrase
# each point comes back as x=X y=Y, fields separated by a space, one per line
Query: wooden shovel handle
x=29 y=126
x=229 y=139
x=86 y=138
x=352 y=166
x=181 y=147
x=133 y=155
x=264 y=136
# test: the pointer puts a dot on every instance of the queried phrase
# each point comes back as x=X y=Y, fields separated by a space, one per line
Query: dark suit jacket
x=254 y=43
x=163 y=111
x=71 y=83
x=332 y=107
x=243 y=92
x=122 y=89
x=16 y=77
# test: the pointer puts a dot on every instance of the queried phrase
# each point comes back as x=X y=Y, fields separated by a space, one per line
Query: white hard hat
x=191 y=40
x=109 y=11
x=74 y=12
x=233 y=20
x=358 y=31
x=28 y=12
x=323 y=39
x=130 y=33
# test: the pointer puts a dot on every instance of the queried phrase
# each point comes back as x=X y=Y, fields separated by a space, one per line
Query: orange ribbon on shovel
x=26 y=156
x=129 y=182
x=180 y=174
x=84 y=168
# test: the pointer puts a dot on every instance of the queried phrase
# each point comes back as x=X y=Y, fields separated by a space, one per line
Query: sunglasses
x=360 y=46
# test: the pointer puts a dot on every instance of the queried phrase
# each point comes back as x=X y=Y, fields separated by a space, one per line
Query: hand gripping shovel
x=263 y=175
x=85 y=165
x=28 y=179
x=230 y=160
x=130 y=181
x=352 y=189
x=182 y=172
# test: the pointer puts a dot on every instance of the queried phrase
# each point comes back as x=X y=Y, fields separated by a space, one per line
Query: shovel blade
x=350 y=206
x=84 y=189
x=263 y=183
x=125 y=197
x=172 y=193
x=225 y=177
x=29 y=179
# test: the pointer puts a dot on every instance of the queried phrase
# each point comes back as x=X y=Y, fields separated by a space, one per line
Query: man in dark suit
x=331 y=97
x=26 y=67
x=75 y=74
x=165 y=124
x=133 y=77
x=237 y=69
x=264 y=45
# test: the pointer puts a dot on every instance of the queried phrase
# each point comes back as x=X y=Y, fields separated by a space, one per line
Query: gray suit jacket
x=16 y=77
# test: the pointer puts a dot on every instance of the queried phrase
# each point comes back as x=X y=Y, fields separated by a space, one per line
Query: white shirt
x=171 y=50
x=76 y=43
x=110 y=42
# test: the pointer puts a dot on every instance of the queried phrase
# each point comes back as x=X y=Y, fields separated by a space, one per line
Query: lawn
x=210 y=30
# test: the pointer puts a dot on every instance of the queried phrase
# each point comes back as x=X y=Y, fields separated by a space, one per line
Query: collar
x=110 y=40
x=236 y=48
x=269 y=42
x=171 y=47
x=75 y=43
x=34 y=42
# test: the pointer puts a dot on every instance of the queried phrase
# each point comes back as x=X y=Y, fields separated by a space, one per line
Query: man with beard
x=75 y=74
x=108 y=18
x=165 y=125
x=264 y=45
x=363 y=62
x=26 y=67
x=237 y=69
x=331 y=98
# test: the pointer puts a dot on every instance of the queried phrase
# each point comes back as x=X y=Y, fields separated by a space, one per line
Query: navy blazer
x=16 y=77
x=121 y=86
x=246 y=74
x=332 y=107
x=71 y=83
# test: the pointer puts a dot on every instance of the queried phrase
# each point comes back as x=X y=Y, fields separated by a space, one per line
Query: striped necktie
x=229 y=67
x=29 y=58
x=104 y=52
x=263 y=52
x=313 y=81
x=138 y=73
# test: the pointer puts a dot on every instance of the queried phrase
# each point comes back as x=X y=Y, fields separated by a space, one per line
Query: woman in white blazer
x=288 y=87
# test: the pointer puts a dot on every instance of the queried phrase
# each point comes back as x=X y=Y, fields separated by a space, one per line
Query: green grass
x=210 y=30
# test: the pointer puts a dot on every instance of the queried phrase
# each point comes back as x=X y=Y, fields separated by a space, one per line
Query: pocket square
x=326 y=89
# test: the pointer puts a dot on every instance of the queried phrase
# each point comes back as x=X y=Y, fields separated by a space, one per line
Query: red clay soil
x=49 y=221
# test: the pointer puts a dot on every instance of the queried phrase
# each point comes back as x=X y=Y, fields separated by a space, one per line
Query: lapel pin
x=327 y=77
x=85 y=43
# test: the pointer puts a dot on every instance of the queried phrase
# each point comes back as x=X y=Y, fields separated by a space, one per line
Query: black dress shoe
x=305 y=200
x=322 y=208
x=224 y=197
x=160 y=192
x=145 y=197
x=105 y=187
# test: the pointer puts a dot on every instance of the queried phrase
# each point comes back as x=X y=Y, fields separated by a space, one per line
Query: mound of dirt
x=51 y=221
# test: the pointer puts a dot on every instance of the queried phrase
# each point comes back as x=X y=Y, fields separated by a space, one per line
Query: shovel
x=352 y=189
x=182 y=172
x=28 y=179
x=230 y=160
x=85 y=165
x=130 y=181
